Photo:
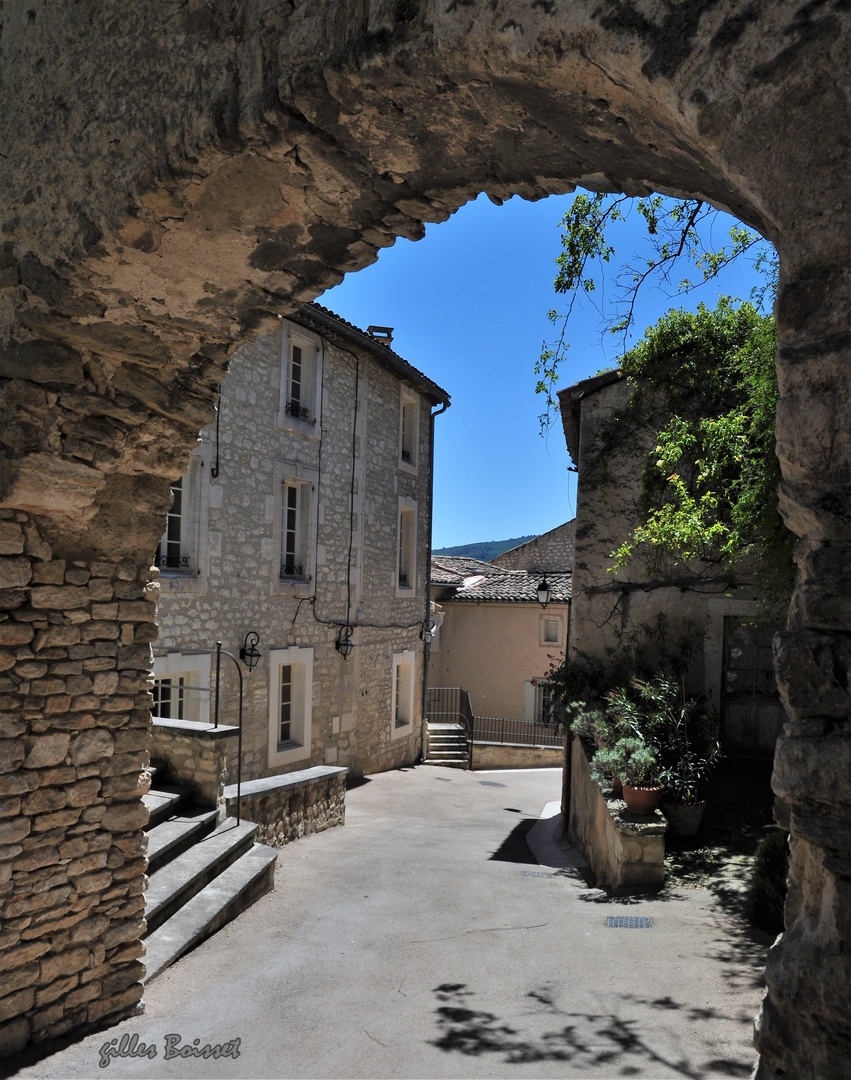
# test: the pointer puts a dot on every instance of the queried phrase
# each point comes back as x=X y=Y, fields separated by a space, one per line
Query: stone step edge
x=175 y=883
x=172 y=837
x=218 y=903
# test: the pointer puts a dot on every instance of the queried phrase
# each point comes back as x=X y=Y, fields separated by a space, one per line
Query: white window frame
x=195 y=671
x=409 y=430
x=299 y=661
x=194 y=545
x=403 y=684
x=310 y=346
x=545 y=619
x=289 y=475
x=406 y=548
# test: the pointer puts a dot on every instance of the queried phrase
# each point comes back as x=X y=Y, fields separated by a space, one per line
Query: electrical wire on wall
x=312 y=599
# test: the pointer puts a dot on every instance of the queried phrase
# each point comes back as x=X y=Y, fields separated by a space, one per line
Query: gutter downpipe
x=427 y=645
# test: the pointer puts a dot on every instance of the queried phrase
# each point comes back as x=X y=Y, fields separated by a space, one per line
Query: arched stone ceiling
x=175 y=174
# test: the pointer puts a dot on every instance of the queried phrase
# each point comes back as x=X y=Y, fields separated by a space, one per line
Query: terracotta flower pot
x=617 y=785
x=683 y=820
x=642 y=800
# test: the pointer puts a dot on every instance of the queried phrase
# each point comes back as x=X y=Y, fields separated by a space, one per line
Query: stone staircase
x=447 y=746
x=202 y=873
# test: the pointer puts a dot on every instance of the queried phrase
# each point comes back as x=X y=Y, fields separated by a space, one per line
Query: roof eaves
x=326 y=322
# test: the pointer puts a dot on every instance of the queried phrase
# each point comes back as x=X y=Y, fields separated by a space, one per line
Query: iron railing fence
x=495 y=729
x=451 y=705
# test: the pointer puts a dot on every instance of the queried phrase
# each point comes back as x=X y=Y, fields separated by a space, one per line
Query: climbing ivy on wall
x=705 y=384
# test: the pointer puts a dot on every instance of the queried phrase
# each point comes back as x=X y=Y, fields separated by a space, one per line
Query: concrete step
x=448 y=763
x=172 y=837
x=163 y=802
x=178 y=881
x=222 y=899
x=443 y=729
x=442 y=752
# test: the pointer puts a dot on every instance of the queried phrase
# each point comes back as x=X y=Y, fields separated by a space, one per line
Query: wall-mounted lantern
x=427 y=631
x=545 y=592
x=344 y=643
x=249 y=654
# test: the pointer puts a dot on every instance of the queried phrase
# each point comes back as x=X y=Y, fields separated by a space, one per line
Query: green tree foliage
x=706 y=381
x=675 y=232
x=706 y=384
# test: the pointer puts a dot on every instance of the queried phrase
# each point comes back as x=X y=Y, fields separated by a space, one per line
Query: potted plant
x=636 y=763
x=684 y=779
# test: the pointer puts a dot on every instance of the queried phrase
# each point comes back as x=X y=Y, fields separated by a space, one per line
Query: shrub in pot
x=636 y=763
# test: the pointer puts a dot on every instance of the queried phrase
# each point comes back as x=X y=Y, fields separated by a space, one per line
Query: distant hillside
x=485 y=550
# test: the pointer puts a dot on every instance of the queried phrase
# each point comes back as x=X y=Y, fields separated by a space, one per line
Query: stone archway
x=173 y=177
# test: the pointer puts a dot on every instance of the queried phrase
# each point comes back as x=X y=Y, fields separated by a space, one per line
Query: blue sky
x=469 y=308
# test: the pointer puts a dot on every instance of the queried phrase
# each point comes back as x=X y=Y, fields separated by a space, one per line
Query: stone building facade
x=714 y=616
x=552 y=551
x=495 y=640
x=304 y=520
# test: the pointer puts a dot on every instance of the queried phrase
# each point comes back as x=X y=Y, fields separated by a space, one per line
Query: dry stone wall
x=74 y=738
x=175 y=176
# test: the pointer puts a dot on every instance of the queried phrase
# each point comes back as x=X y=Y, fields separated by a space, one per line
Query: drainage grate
x=491 y=783
x=630 y=922
x=534 y=873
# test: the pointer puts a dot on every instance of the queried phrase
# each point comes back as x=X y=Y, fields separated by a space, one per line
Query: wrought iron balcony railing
x=298 y=411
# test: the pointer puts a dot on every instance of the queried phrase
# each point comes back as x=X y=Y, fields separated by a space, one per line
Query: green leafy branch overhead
x=676 y=235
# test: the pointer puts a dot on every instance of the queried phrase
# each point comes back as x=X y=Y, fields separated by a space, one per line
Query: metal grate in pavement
x=629 y=922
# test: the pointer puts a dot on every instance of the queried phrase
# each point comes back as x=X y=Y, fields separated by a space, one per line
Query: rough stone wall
x=612 y=613
x=288 y=814
x=196 y=760
x=238 y=589
x=74 y=737
x=552 y=551
x=175 y=176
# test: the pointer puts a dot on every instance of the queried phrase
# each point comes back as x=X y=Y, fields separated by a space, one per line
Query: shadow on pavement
x=514 y=848
x=583 y=1040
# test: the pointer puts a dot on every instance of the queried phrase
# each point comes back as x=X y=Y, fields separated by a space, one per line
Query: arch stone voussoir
x=173 y=178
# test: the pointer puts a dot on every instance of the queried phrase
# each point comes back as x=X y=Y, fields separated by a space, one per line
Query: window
x=293 y=554
x=182 y=553
x=409 y=430
x=168 y=697
x=538 y=703
x=402 y=693
x=171 y=548
x=293 y=531
x=290 y=705
x=300 y=379
x=406 y=581
x=182 y=689
x=550 y=631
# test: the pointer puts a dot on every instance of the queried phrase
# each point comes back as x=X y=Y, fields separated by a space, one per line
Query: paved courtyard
x=424 y=940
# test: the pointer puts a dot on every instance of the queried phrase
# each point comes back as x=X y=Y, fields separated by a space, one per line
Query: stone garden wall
x=292 y=806
x=626 y=853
